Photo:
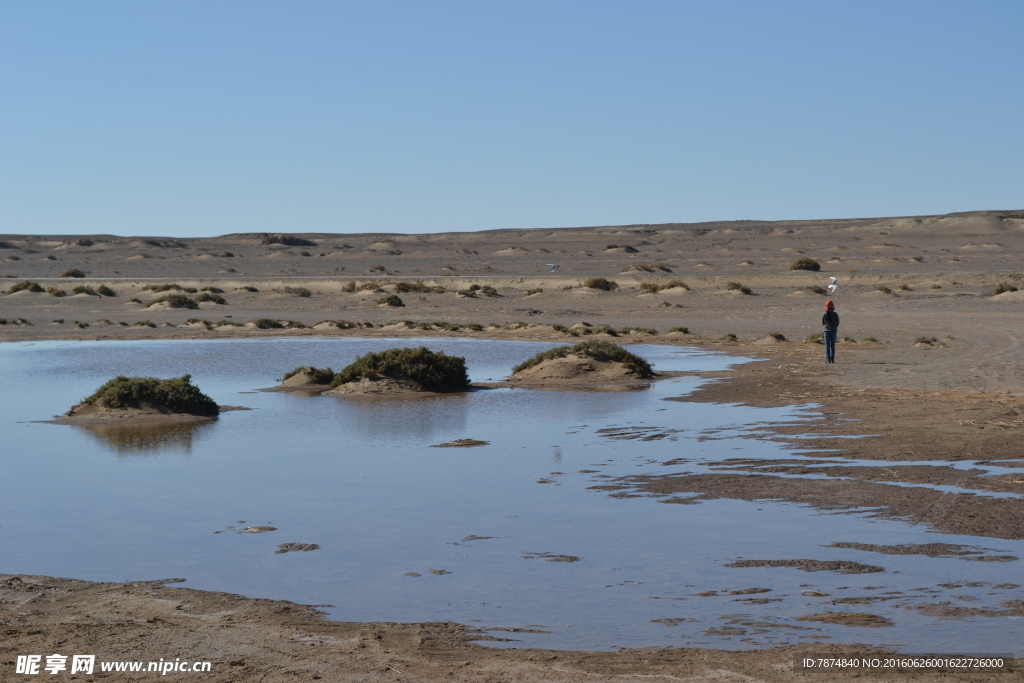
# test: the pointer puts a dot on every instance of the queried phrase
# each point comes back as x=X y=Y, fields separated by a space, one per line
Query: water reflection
x=148 y=440
x=403 y=418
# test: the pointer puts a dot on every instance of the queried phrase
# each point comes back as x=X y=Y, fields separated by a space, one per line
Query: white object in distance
x=833 y=286
x=552 y=266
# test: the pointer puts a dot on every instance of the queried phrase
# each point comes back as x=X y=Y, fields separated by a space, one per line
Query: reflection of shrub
x=72 y=272
x=26 y=286
x=177 y=395
x=805 y=264
x=599 y=350
x=1003 y=287
x=434 y=371
x=105 y=291
x=174 y=301
x=320 y=375
x=601 y=283
x=267 y=324
x=391 y=300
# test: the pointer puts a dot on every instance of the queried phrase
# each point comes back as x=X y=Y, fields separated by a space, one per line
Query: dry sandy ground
x=959 y=397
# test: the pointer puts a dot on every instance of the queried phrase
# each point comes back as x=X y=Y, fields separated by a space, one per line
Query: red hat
x=829 y=306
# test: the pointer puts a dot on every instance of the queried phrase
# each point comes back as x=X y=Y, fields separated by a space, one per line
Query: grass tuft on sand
x=434 y=371
x=601 y=283
x=26 y=286
x=177 y=395
x=599 y=350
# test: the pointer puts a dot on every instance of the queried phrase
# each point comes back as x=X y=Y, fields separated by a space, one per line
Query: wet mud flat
x=280 y=642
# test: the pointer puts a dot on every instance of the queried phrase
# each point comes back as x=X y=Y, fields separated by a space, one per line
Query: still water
x=483 y=527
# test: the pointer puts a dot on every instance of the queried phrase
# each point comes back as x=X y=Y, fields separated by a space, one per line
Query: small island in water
x=129 y=400
x=392 y=371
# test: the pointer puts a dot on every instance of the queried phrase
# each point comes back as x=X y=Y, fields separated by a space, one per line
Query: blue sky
x=203 y=118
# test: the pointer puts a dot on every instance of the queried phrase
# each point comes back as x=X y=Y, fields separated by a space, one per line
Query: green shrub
x=601 y=283
x=936 y=287
x=777 y=336
x=12 y=257
x=805 y=264
x=178 y=395
x=531 y=292
x=26 y=286
x=624 y=247
x=729 y=337
x=58 y=321
x=404 y=287
x=604 y=329
x=869 y=339
x=161 y=288
x=653 y=288
x=883 y=288
x=926 y=340
x=105 y=291
x=599 y=350
x=904 y=288
x=212 y=290
x=684 y=330
x=643 y=330
x=133 y=300
x=816 y=289
x=321 y=375
x=175 y=301
x=649 y=287
x=470 y=292
x=350 y=287
x=737 y=287
x=145 y=323
x=72 y=272
x=298 y=291
x=391 y=300
x=249 y=288
x=1003 y=287
x=206 y=296
x=434 y=371
x=815 y=338
x=296 y=325
x=81 y=326
x=487 y=290
x=267 y=324
x=56 y=292
x=475 y=327
x=84 y=290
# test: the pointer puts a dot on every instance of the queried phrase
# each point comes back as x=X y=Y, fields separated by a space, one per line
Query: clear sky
x=192 y=118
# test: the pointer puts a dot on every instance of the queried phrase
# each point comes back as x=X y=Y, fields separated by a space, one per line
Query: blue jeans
x=830 y=345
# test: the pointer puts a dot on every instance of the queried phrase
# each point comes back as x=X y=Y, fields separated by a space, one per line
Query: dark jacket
x=830 y=321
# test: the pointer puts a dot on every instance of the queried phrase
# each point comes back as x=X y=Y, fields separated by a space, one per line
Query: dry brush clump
x=597 y=349
x=604 y=284
x=434 y=371
x=805 y=264
x=654 y=288
x=287 y=240
x=174 y=301
x=177 y=395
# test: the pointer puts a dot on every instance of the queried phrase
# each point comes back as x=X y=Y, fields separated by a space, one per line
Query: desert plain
x=928 y=369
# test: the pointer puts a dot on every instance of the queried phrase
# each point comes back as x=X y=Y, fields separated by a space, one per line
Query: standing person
x=830 y=323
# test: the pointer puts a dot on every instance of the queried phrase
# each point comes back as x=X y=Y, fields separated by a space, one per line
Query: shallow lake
x=509 y=537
